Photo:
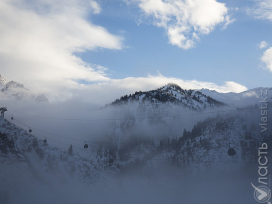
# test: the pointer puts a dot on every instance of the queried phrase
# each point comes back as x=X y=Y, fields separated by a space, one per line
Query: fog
x=226 y=184
x=221 y=183
x=81 y=120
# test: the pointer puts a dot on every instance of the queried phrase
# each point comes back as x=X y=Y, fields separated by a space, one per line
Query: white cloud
x=183 y=19
x=251 y=94
x=267 y=58
x=96 y=7
x=99 y=94
x=262 y=45
x=228 y=21
x=262 y=9
x=39 y=39
x=108 y=91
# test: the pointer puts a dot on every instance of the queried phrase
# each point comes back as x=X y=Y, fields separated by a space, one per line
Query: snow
x=46 y=159
x=17 y=91
x=246 y=98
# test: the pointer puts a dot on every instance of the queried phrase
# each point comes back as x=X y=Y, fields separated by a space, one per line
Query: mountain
x=186 y=124
x=171 y=94
x=194 y=99
x=170 y=109
x=17 y=91
x=245 y=98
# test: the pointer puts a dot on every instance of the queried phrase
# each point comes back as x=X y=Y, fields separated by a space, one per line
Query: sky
x=86 y=49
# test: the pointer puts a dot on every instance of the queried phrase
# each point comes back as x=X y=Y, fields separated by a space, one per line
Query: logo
x=262 y=194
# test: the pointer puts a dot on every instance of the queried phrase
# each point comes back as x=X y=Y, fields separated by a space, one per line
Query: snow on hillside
x=19 y=147
x=203 y=147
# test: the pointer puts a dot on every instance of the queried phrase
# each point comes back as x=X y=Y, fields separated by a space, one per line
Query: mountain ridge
x=195 y=99
x=18 y=91
x=245 y=98
x=170 y=93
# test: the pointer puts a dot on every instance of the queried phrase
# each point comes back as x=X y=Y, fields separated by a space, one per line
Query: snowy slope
x=152 y=114
x=21 y=149
x=205 y=146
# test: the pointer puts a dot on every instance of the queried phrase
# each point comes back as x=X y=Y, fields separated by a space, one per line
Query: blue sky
x=231 y=54
x=70 y=48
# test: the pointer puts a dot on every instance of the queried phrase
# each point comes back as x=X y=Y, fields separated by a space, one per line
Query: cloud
x=262 y=45
x=262 y=9
x=39 y=41
x=96 y=7
x=251 y=94
x=183 y=20
x=228 y=21
x=156 y=81
x=267 y=58
x=99 y=94
x=107 y=92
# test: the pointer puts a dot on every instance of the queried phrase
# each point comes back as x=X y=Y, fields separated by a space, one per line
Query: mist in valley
x=224 y=184
x=141 y=173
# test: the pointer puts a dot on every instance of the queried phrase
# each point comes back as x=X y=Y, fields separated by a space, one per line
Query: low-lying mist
x=73 y=122
x=84 y=121
x=224 y=184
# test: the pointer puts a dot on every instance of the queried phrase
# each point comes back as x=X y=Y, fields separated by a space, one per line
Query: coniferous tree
x=35 y=142
x=70 y=150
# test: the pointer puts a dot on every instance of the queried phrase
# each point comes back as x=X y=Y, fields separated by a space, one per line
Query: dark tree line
x=6 y=144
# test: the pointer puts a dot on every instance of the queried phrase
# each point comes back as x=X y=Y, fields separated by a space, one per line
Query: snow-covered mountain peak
x=170 y=94
x=18 y=91
x=13 y=85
